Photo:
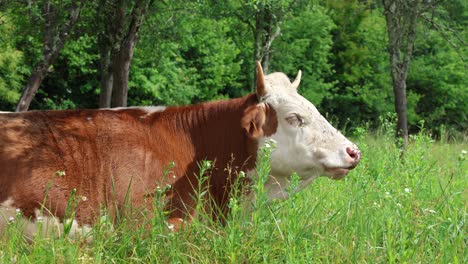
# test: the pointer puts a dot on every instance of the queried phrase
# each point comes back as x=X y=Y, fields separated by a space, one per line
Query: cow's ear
x=253 y=121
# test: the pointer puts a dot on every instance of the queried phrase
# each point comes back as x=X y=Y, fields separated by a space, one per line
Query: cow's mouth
x=337 y=173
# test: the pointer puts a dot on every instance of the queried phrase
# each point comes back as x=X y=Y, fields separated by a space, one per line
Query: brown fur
x=104 y=153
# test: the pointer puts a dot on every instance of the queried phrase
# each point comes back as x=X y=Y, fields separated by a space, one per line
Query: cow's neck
x=278 y=183
x=215 y=132
x=215 y=128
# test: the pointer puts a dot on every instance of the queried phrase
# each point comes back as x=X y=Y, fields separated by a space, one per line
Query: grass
x=385 y=211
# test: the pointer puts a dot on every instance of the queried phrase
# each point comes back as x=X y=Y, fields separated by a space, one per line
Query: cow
x=108 y=156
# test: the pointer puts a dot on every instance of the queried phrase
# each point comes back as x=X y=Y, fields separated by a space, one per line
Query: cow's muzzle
x=353 y=159
x=355 y=156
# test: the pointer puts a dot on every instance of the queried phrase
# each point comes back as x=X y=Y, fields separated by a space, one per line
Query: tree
x=59 y=19
x=263 y=19
x=438 y=69
x=362 y=89
x=401 y=18
x=266 y=26
x=120 y=23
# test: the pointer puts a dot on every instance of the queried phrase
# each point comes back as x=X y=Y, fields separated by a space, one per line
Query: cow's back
x=100 y=153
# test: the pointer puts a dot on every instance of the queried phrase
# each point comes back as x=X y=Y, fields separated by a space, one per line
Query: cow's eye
x=301 y=120
x=295 y=120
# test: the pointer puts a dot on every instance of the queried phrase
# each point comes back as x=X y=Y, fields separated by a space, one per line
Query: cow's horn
x=260 y=81
x=297 y=81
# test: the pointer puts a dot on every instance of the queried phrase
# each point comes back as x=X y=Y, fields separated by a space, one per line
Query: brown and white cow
x=103 y=156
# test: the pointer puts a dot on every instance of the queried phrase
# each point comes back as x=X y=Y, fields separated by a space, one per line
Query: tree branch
x=446 y=37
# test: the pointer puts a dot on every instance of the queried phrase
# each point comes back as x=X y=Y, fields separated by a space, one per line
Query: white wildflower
x=241 y=174
x=399 y=205
x=271 y=143
x=407 y=190
x=208 y=163
x=39 y=219
x=18 y=211
x=462 y=155
x=104 y=219
x=428 y=210
x=171 y=227
x=60 y=173
x=233 y=204
x=11 y=219
x=84 y=198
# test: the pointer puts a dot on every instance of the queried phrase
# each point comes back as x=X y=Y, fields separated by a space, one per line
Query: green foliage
x=72 y=80
x=196 y=51
x=12 y=70
x=196 y=62
x=438 y=76
x=363 y=88
x=11 y=79
x=306 y=45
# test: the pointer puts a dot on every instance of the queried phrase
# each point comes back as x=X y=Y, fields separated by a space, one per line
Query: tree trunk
x=258 y=38
x=257 y=46
x=122 y=53
x=34 y=81
x=399 y=90
x=106 y=90
x=269 y=38
x=121 y=68
x=106 y=81
x=263 y=38
x=401 y=20
x=265 y=32
x=121 y=61
x=55 y=35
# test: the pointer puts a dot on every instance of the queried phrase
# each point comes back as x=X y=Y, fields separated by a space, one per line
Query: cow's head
x=305 y=142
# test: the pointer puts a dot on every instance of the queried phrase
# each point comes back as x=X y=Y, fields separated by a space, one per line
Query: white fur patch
x=148 y=109
x=44 y=224
x=153 y=109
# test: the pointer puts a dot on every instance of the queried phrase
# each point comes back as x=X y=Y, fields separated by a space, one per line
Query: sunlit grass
x=385 y=211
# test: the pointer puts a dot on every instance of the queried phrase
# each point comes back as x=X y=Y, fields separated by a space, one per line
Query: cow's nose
x=354 y=154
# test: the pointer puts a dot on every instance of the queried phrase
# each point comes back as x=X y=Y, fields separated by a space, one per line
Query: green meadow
x=387 y=210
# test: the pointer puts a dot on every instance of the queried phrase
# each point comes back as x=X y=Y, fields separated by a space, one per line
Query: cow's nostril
x=353 y=153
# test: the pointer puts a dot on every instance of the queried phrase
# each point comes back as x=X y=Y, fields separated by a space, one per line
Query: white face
x=305 y=142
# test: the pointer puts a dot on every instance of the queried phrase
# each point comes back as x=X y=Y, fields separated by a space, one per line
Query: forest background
x=187 y=52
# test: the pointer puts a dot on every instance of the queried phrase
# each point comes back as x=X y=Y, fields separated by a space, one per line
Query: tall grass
x=387 y=210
